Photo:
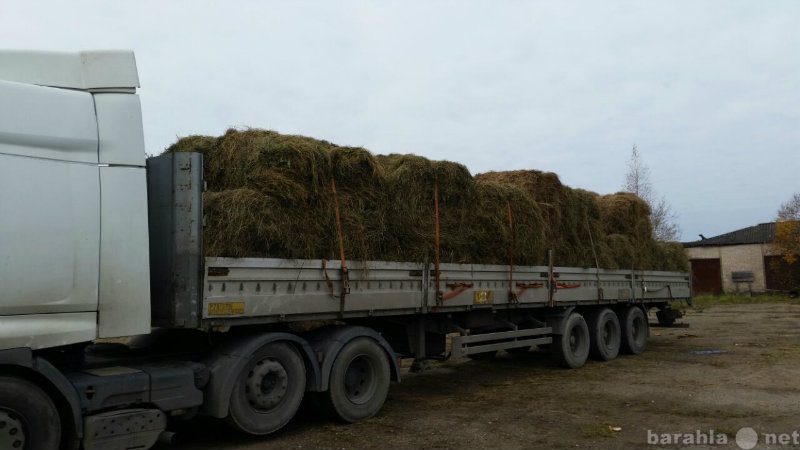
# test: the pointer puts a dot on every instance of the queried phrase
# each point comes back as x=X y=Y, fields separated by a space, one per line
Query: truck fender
x=226 y=362
x=556 y=319
x=49 y=378
x=327 y=342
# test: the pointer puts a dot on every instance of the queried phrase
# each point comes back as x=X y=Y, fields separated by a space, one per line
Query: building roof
x=760 y=234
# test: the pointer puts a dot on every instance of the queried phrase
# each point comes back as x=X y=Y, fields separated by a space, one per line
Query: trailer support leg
x=420 y=352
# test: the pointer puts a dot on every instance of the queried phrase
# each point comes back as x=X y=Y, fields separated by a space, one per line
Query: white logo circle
x=746 y=438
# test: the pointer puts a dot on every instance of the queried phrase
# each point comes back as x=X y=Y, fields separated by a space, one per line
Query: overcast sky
x=709 y=91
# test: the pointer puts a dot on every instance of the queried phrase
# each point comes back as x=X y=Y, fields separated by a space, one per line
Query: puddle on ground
x=711 y=351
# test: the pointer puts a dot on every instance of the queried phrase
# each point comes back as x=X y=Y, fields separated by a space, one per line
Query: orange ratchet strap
x=345 y=272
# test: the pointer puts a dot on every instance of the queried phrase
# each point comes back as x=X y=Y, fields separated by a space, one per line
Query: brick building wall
x=734 y=258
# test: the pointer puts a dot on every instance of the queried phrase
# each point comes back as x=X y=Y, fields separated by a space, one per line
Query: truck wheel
x=634 y=331
x=605 y=334
x=359 y=381
x=28 y=417
x=571 y=348
x=269 y=390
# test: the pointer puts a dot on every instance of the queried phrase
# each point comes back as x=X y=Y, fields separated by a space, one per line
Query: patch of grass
x=702 y=302
x=716 y=413
x=599 y=430
x=785 y=353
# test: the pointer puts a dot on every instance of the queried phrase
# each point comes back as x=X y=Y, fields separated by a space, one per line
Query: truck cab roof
x=97 y=70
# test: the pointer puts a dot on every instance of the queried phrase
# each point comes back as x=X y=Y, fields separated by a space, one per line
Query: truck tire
x=571 y=349
x=605 y=334
x=28 y=417
x=634 y=330
x=269 y=390
x=359 y=382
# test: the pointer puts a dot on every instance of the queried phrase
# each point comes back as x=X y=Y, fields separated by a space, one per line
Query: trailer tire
x=269 y=390
x=634 y=330
x=28 y=417
x=605 y=334
x=359 y=382
x=571 y=348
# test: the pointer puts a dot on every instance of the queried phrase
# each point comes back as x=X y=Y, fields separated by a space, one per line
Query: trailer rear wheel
x=571 y=349
x=359 y=381
x=634 y=330
x=28 y=417
x=269 y=390
x=605 y=334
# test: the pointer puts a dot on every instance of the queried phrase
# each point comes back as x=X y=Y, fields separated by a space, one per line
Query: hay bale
x=499 y=240
x=411 y=182
x=546 y=190
x=570 y=216
x=270 y=195
x=239 y=216
x=671 y=257
x=626 y=213
x=622 y=252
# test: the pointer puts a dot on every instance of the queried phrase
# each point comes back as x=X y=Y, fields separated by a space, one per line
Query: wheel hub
x=11 y=430
x=359 y=380
x=574 y=340
x=266 y=384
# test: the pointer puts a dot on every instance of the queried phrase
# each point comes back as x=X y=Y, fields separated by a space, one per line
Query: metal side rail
x=488 y=342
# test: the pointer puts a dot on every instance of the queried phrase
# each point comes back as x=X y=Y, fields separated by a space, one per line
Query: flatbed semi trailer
x=114 y=322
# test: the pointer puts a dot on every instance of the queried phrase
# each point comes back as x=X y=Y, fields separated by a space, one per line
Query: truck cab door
x=49 y=216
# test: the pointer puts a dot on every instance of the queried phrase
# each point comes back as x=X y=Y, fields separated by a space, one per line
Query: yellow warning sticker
x=225 y=309
x=484 y=297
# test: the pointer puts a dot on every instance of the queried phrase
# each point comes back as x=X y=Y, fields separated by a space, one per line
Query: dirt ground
x=736 y=366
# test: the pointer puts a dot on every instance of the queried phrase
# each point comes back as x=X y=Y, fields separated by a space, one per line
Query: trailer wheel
x=571 y=349
x=268 y=391
x=634 y=330
x=605 y=334
x=28 y=417
x=359 y=382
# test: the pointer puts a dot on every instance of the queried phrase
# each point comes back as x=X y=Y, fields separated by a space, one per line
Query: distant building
x=740 y=261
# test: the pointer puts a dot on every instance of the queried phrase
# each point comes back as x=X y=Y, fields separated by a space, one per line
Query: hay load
x=571 y=216
x=271 y=195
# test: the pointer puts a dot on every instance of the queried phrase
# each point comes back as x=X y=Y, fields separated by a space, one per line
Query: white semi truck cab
x=114 y=321
x=74 y=264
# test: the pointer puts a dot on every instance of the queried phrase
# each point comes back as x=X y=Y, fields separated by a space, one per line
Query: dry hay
x=271 y=195
x=627 y=214
x=411 y=183
x=571 y=216
x=500 y=239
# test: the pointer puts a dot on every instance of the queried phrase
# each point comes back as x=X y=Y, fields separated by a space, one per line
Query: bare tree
x=787 y=230
x=662 y=219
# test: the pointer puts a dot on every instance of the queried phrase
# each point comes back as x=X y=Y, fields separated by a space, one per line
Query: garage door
x=706 y=276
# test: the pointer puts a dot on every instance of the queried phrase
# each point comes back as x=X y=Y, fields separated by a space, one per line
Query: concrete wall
x=736 y=258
